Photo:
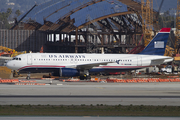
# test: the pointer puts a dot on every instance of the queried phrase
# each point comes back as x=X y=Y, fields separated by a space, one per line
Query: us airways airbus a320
x=72 y=64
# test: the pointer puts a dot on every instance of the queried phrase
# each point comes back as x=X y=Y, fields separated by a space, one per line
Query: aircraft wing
x=88 y=66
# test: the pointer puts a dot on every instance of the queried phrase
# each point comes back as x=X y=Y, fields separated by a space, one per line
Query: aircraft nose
x=9 y=65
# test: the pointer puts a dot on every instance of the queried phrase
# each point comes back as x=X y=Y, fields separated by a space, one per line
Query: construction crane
x=147 y=24
x=4 y=51
x=147 y=20
x=156 y=26
x=177 y=33
x=177 y=27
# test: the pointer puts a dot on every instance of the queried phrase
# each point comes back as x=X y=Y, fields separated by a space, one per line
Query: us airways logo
x=120 y=62
x=117 y=61
x=67 y=56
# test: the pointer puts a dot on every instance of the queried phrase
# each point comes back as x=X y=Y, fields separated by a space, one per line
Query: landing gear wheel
x=82 y=77
x=28 y=77
x=85 y=77
x=88 y=78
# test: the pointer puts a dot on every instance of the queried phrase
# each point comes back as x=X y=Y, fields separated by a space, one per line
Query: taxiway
x=68 y=93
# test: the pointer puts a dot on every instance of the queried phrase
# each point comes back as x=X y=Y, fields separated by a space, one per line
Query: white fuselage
x=72 y=60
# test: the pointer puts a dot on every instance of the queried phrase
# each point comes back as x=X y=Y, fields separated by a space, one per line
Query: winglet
x=158 y=43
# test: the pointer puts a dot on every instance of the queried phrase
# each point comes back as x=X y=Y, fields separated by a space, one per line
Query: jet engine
x=68 y=72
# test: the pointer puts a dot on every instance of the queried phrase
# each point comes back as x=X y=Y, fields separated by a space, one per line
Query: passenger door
x=29 y=59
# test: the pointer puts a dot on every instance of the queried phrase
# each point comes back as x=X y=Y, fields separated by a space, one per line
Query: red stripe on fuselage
x=41 y=66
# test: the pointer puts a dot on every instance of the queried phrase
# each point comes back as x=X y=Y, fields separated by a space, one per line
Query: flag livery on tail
x=158 y=44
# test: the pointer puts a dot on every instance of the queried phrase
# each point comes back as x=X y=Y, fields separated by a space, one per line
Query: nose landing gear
x=28 y=76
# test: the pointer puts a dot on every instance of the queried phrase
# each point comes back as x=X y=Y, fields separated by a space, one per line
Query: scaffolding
x=147 y=20
x=177 y=27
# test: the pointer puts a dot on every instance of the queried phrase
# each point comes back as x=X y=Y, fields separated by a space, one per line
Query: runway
x=88 y=100
x=92 y=93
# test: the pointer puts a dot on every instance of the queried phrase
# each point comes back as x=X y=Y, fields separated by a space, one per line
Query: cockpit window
x=16 y=59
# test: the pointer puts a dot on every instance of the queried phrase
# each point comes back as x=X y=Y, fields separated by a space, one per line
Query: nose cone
x=10 y=65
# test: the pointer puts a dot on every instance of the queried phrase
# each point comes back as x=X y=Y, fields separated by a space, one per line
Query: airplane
x=73 y=64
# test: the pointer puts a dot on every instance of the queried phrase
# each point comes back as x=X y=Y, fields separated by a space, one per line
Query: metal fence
x=22 y=40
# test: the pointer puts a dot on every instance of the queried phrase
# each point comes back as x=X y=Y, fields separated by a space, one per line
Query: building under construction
x=81 y=26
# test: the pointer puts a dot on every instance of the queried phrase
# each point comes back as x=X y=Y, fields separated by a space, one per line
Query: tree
x=18 y=12
x=9 y=11
x=4 y=19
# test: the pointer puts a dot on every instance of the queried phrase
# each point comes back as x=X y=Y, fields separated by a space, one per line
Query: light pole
x=1 y=23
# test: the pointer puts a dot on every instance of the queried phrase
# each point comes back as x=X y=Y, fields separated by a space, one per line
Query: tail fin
x=158 y=43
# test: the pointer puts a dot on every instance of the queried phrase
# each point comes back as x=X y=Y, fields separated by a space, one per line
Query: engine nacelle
x=68 y=72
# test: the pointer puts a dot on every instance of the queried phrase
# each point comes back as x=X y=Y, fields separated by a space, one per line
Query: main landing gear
x=85 y=75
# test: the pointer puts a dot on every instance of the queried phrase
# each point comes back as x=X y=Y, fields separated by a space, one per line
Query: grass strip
x=88 y=110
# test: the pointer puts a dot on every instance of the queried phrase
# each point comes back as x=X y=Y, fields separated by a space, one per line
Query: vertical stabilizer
x=158 y=43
